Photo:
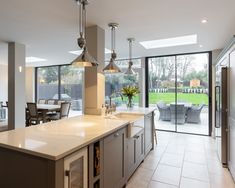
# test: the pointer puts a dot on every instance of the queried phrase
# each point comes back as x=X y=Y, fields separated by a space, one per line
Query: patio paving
x=200 y=128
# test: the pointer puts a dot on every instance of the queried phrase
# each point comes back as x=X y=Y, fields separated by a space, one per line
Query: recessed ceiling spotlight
x=34 y=59
x=204 y=21
x=200 y=46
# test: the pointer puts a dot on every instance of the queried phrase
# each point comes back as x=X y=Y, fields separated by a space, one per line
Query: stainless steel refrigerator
x=221 y=114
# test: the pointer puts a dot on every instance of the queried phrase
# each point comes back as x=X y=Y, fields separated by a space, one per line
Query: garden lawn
x=154 y=98
x=194 y=98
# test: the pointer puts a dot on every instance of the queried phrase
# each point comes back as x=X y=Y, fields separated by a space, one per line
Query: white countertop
x=55 y=140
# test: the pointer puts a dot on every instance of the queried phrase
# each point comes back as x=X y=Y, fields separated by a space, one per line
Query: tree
x=183 y=64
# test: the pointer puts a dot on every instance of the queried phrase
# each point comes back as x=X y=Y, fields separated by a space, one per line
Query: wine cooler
x=76 y=165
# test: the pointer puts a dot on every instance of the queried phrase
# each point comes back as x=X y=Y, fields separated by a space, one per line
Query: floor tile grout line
x=164 y=183
x=207 y=167
x=158 y=163
x=182 y=169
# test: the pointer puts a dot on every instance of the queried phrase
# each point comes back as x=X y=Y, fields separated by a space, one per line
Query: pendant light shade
x=112 y=67
x=130 y=70
x=84 y=59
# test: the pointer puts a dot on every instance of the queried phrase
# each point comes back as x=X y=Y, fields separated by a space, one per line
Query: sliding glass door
x=162 y=89
x=179 y=87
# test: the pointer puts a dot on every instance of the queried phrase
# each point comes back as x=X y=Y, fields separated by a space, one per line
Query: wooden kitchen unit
x=79 y=152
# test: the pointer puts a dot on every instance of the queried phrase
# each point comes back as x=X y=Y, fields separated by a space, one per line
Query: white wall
x=3 y=82
x=215 y=54
x=30 y=84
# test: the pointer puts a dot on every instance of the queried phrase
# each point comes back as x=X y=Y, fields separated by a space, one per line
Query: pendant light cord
x=113 y=38
x=81 y=19
x=130 y=49
x=84 y=19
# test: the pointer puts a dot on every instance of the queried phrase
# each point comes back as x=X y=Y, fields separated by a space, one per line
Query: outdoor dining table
x=187 y=105
x=45 y=108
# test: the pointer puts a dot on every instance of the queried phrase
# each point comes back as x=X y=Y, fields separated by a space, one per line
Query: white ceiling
x=49 y=27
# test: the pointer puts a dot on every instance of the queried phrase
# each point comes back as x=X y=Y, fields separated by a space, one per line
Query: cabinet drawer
x=114 y=135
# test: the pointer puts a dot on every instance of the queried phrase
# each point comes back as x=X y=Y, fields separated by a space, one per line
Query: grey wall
x=16 y=85
x=3 y=83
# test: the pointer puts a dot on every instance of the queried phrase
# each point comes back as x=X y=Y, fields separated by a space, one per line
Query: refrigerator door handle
x=217 y=108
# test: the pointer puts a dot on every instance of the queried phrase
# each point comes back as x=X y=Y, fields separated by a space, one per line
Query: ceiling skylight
x=169 y=42
x=78 y=52
x=107 y=51
x=34 y=59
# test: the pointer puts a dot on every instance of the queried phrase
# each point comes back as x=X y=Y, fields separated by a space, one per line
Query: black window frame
x=209 y=85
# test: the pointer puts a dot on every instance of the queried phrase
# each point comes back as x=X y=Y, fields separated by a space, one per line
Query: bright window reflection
x=47 y=82
x=115 y=82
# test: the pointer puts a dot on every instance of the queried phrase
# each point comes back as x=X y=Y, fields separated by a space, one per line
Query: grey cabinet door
x=114 y=160
x=139 y=147
x=135 y=152
x=131 y=160
x=148 y=133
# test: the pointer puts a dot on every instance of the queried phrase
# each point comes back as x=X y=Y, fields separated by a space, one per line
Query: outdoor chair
x=178 y=113
x=164 y=110
x=193 y=114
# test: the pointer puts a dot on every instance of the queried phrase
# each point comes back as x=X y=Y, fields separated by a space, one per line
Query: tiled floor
x=183 y=161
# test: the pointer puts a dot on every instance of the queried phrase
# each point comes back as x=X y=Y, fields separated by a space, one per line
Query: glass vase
x=129 y=103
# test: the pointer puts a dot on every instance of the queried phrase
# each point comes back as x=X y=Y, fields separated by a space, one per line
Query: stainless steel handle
x=67 y=173
x=116 y=134
x=136 y=136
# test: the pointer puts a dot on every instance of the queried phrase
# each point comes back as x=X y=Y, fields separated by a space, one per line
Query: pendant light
x=129 y=70
x=112 y=67
x=84 y=59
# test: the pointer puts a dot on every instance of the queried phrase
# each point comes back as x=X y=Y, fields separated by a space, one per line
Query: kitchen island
x=84 y=151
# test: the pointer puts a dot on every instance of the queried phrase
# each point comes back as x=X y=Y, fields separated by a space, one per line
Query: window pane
x=72 y=86
x=192 y=88
x=47 y=86
x=162 y=90
x=115 y=82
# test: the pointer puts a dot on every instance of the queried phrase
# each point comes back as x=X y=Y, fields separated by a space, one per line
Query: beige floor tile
x=191 y=183
x=155 y=184
x=172 y=160
x=167 y=174
x=195 y=157
x=195 y=171
x=175 y=148
x=137 y=183
x=195 y=148
x=221 y=181
x=151 y=162
x=201 y=167
x=158 y=151
x=215 y=167
x=143 y=174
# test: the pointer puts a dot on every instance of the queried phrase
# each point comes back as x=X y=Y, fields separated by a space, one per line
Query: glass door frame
x=209 y=87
